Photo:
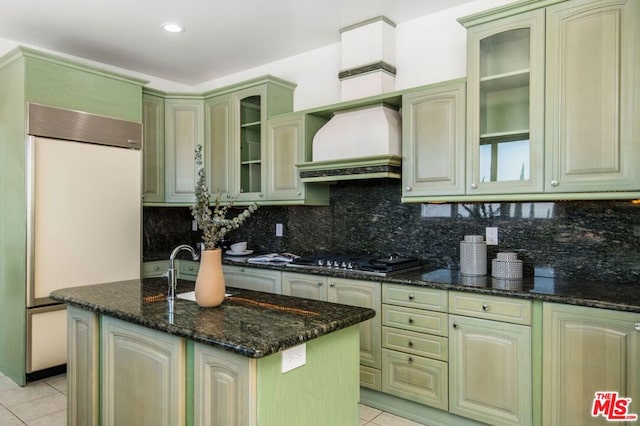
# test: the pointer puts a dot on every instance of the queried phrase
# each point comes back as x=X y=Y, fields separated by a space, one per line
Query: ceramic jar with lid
x=506 y=265
x=473 y=255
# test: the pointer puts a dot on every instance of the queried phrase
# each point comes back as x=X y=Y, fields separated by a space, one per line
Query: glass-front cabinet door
x=252 y=116
x=505 y=114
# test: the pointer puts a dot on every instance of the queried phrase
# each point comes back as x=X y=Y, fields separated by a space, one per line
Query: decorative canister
x=473 y=255
x=506 y=265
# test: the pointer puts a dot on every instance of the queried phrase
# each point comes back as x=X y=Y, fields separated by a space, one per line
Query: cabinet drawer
x=415 y=378
x=415 y=320
x=154 y=268
x=506 y=309
x=425 y=345
x=371 y=378
x=415 y=297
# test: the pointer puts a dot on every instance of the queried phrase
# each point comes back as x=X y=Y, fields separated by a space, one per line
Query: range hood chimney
x=361 y=142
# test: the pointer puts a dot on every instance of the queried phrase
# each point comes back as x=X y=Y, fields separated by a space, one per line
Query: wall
x=429 y=49
x=589 y=240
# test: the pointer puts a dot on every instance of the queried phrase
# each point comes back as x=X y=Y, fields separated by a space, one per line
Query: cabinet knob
x=332 y=285
x=554 y=183
x=261 y=195
x=455 y=325
x=411 y=297
x=410 y=320
x=156 y=268
x=320 y=284
x=408 y=189
x=410 y=344
x=299 y=193
x=485 y=307
x=637 y=326
x=410 y=359
x=474 y=186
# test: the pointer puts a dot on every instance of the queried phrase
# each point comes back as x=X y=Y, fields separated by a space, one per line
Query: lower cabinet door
x=224 y=387
x=490 y=371
x=587 y=351
x=415 y=378
x=255 y=279
x=82 y=367
x=143 y=376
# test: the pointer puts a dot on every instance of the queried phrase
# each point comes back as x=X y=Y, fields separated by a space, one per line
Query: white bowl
x=240 y=247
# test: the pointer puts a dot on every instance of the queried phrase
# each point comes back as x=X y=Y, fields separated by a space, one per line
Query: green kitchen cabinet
x=267 y=280
x=82 y=368
x=365 y=294
x=236 y=135
x=415 y=344
x=587 y=350
x=224 y=387
x=289 y=139
x=552 y=100
x=505 y=105
x=490 y=361
x=433 y=144
x=154 y=268
x=184 y=130
x=153 y=147
x=304 y=285
x=592 y=96
x=134 y=355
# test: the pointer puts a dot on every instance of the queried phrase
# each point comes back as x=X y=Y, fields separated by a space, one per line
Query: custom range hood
x=361 y=140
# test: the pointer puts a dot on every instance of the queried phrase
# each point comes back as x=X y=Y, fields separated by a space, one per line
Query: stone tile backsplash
x=591 y=239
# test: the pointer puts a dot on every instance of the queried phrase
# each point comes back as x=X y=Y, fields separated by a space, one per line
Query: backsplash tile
x=591 y=239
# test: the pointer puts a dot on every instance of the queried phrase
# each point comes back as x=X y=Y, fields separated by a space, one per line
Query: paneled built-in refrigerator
x=84 y=216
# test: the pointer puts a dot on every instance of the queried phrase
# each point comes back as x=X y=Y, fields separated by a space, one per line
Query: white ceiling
x=221 y=37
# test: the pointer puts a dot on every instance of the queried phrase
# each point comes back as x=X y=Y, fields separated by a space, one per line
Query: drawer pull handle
x=410 y=359
x=156 y=268
x=410 y=296
x=637 y=326
x=410 y=320
x=410 y=344
x=320 y=284
x=485 y=307
x=455 y=325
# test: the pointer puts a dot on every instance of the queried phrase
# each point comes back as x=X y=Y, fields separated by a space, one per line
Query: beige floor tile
x=18 y=395
x=387 y=419
x=40 y=407
x=368 y=413
x=7 y=418
x=59 y=418
x=58 y=382
x=7 y=384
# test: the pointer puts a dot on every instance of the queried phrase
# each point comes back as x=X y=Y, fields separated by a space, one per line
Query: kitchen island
x=133 y=361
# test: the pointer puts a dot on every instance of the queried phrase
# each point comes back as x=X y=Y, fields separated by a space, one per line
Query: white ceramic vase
x=210 y=288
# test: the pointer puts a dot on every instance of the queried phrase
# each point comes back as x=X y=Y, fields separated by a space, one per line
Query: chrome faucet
x=172 y=277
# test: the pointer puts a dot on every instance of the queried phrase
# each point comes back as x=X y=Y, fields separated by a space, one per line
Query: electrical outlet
x=491 y=236
x=279 y=230
x=294 y=357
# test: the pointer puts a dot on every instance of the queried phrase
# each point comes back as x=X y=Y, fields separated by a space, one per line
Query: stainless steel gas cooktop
x=367 y=265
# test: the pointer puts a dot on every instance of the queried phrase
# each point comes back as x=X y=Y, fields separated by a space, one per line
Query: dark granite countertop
x=546 y=287
x=253 y=324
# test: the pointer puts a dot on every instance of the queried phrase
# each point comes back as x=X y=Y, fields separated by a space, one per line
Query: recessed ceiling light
x=173 y=28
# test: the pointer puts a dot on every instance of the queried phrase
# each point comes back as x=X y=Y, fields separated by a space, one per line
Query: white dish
x=238 y=253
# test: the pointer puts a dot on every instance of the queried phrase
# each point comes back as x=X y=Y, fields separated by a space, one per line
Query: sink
x=191 y=295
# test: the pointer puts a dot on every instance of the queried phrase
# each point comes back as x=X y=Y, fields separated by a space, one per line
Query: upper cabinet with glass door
x=236 y=135
x=505 y=105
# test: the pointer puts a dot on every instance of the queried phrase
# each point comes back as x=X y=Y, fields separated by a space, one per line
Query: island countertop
x=253 y=324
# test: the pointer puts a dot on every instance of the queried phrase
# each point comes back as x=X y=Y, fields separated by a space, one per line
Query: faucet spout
x=172 y=276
